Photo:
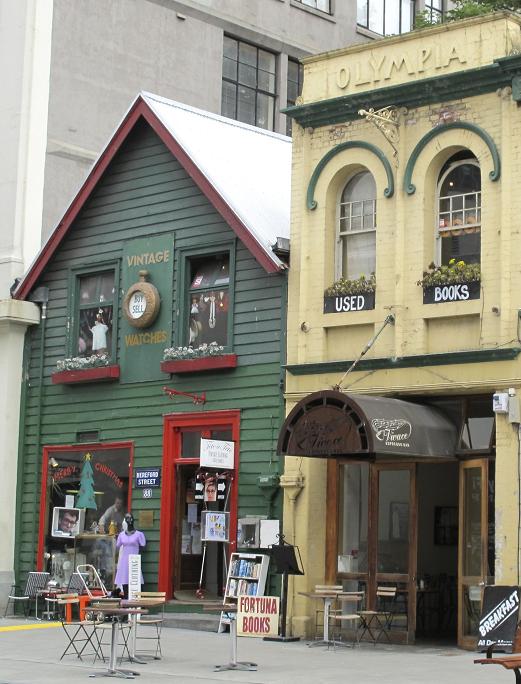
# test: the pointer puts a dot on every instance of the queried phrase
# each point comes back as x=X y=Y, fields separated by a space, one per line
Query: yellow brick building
x=407 y=151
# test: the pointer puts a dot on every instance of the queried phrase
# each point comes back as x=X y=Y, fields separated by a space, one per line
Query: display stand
x=247 y=575
x=286 y=564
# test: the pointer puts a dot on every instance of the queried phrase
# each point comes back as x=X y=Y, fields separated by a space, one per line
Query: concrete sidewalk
x=31 y=654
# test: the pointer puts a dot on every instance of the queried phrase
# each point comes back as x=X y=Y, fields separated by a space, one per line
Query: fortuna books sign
x=499 y=617
x=258 y=616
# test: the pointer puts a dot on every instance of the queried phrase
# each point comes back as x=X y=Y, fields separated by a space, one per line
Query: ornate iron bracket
x=196 y=398
x=387 y=120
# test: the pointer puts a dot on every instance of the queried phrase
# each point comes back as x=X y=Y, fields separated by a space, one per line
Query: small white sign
x=147 y=493
x=216 y=453
x=134 y=575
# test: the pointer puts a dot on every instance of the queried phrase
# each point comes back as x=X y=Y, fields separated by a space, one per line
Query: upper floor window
x=356 y=253
x=434 y=10
x=322 y=5
x=248 y=88
x=295 y=79
x=94 y=315
x=208 y=300
x=459 y=210
x=386 y=17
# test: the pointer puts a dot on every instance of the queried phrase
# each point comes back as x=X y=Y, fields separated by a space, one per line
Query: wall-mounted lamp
x=53 y=462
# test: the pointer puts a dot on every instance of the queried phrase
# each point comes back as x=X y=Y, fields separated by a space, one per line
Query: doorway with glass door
x=189 y=567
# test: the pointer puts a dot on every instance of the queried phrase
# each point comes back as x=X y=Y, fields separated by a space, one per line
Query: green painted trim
x=420 y=92
x=418 y=361
x=494 y=175
x=389 y=190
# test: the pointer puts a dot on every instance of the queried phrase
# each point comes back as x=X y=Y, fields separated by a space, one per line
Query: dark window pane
x=209 y=301
x=230 y=48
x=95 y=331
x=190 y=443
x=247 y=75
x=230 y=69
x=229 y=95
x=265 y=110
x=246 y=105
x=266 y=81
x=248 y=54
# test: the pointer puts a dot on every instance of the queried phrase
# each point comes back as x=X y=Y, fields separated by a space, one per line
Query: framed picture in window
x=446 y=525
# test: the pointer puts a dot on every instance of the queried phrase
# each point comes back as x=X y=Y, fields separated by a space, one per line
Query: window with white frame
x=249 y=84
x=386 y=17
x=356 y=245
x=322 y=5
x=458 y=229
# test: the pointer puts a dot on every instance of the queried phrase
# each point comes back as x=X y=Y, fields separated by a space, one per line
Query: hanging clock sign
x=141 y=303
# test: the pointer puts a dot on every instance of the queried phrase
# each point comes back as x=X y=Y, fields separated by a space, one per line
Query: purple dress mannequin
x=129 y=542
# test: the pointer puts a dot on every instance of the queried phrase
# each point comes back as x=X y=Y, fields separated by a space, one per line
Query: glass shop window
x=96 y=293
x=353 y=518
x=86 y=495
x=208 y=300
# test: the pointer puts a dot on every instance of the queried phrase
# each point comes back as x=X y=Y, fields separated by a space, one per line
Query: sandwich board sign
x=499 y=618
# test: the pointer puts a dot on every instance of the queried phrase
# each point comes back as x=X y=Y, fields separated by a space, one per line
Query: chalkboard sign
x=499 y=618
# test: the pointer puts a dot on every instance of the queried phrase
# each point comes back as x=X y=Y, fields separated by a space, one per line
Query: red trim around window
x=172 y=423
x=49 y=451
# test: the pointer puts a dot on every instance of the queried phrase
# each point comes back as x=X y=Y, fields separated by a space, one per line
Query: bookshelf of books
x=247 y=575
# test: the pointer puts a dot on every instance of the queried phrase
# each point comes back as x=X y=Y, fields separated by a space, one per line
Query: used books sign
x=345 y=303
x=499 y=617
x=258 y=616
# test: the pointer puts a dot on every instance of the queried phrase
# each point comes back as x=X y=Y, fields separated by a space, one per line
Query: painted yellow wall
x=405 y=247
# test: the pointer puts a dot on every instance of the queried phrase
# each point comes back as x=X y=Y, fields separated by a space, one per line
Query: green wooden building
x=154 y=381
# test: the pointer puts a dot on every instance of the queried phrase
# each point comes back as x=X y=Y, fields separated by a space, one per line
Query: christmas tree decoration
x=86 y=498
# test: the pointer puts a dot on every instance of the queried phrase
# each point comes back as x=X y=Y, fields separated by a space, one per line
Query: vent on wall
x=88 y=436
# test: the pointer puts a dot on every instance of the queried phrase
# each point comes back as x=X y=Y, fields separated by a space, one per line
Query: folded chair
x=36 y=582
x=145 y=623
x=80 y=633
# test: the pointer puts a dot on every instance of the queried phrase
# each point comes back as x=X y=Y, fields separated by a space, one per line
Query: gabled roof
x=245 y=172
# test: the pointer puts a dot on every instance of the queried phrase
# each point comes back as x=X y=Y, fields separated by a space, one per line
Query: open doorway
x=437 y=564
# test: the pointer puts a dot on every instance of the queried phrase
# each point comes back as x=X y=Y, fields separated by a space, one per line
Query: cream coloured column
x=15 y=317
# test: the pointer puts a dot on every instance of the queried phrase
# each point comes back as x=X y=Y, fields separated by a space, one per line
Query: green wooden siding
x=146 y=191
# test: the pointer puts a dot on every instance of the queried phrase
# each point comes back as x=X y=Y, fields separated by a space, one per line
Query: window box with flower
x=350 y=295
x=456 y=281
x=190 y=359
x=79 y=369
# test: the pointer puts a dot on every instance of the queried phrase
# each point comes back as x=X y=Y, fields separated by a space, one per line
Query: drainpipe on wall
x=293 y=486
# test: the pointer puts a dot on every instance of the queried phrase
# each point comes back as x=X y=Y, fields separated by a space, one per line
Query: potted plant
x=452 y=282
x=350 y=295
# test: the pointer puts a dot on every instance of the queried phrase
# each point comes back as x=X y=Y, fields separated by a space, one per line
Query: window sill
x=206 y=363
x=101 y=374
x=312 y=10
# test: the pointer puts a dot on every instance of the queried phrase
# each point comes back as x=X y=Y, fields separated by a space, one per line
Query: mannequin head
x=128 y=523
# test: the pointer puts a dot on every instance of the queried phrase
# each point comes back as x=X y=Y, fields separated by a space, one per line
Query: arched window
x=459 y=210
x=356 y=253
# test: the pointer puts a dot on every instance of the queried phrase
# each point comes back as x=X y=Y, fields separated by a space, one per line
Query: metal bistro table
x=116 y=613
x=328 y=597
x=230 y=609
x=140 y=603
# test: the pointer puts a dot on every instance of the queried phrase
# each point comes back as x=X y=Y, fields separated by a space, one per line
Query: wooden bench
x=510 y=661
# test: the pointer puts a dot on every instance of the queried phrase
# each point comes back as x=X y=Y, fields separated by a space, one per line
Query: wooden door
x=394 y=541
x=475 y=560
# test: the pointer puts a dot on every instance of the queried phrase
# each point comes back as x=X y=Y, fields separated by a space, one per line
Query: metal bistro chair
x=36 y=582
x=102 y=626
x=319 y=612
x=155 y=620
x=377 y=623
x=80 y=633
x=348 y=614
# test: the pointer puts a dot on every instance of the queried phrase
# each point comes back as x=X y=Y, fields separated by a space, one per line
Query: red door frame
x=172 y=426
x=49 y=451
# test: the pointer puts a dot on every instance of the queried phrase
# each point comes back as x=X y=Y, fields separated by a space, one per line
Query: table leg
x=234 y=664
x=113 y=671
x=328 y=601
x=133 y=657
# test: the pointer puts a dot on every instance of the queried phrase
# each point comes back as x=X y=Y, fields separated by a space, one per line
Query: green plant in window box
x=203 y=350
x=360 y=285
x=83 y=362
x=453 y=273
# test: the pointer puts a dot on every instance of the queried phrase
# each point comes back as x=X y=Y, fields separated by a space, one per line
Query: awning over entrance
x=328 y=424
